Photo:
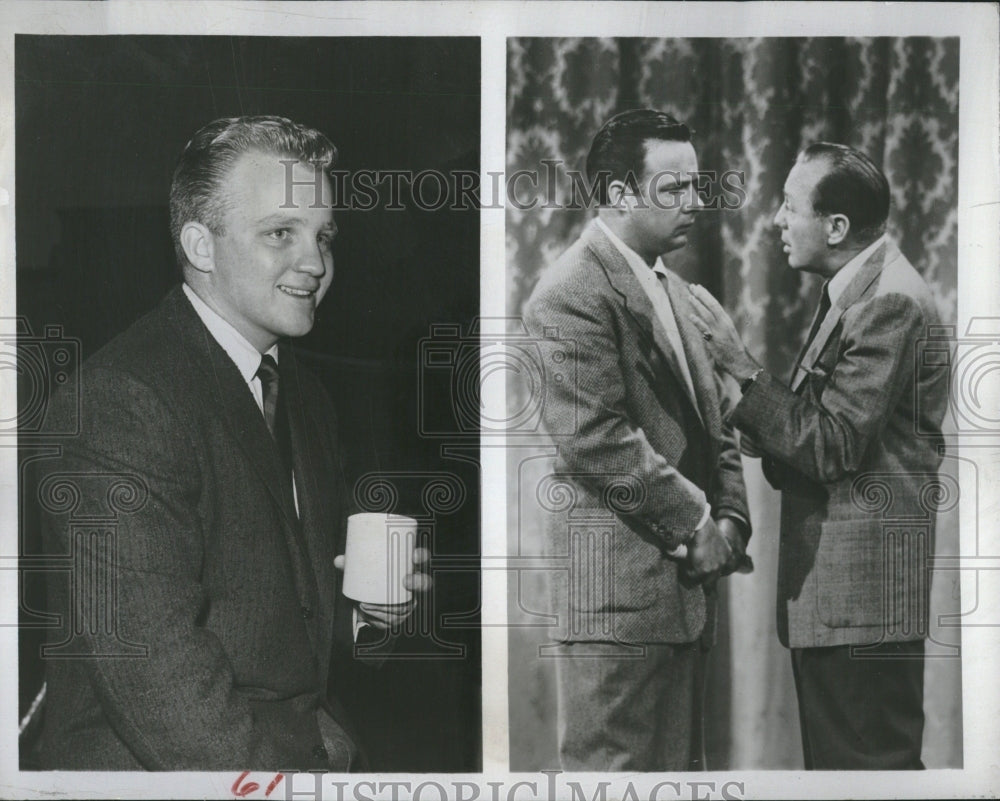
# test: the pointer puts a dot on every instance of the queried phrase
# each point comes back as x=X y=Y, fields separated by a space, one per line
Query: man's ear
x=622 y=197
x=618 y=195
x=837 y=228
x=199 y=246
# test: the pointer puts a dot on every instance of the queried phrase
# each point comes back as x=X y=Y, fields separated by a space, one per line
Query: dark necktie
x=824 y=307
x=274 y=416
x=821 y=312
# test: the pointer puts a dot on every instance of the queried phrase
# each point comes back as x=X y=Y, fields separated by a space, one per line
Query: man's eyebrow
x=678 y=182
x=290 y=221
x=279 y=219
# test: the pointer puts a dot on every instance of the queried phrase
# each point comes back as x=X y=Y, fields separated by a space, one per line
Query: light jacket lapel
x=860 y=284
x=637 y=302
x=698 y=360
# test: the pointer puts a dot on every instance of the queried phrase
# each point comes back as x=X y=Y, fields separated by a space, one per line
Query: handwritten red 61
x=241 y=790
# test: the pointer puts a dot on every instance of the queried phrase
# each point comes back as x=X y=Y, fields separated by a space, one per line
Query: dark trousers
x=630 y=708
x=861 y=710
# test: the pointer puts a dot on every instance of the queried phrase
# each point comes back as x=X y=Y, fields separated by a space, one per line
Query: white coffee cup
x=379 y=553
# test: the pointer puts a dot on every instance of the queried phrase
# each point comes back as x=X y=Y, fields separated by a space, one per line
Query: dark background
x=99 y=123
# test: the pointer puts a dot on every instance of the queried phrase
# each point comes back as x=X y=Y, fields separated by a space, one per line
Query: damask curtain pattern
x=753 y=104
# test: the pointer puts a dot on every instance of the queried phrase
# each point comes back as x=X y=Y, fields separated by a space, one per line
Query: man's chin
x=677 y=241
x=297 y=328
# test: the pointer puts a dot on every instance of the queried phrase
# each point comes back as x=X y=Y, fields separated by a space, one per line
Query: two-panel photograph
x=497 y=402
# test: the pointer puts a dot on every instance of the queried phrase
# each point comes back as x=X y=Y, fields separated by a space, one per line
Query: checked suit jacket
x=232 y=601
x=639 y=455
x=854 y=445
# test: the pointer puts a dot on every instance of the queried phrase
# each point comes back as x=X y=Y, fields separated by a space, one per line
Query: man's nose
x=695 y=203
x=779 y=217
x=314 y=260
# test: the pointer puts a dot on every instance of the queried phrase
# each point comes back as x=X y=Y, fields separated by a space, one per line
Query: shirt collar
x=636 y=262
x=840 y=280
x=244 y=355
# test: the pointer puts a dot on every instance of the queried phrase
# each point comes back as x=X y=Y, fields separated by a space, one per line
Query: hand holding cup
x=381 y=565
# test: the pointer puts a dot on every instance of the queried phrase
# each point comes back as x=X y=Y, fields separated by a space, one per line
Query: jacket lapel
x=309 y=535
x=864 y=279
x=637 y=302
x=698 y=360
x=226 y=392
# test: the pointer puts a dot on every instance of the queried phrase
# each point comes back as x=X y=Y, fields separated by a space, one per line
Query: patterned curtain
x=753 y=104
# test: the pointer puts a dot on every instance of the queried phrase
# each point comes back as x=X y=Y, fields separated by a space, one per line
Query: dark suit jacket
x=643 y=455
x=224 y=605
x=855 y=449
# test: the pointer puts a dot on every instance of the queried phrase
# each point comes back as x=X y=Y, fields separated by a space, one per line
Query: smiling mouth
x=297 y=293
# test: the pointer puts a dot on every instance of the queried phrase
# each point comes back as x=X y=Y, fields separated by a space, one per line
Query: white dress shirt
x=836 y=286
x=244 y=355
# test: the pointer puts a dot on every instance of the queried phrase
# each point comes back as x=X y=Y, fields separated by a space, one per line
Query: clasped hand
x=388 y=616
x=717 y=549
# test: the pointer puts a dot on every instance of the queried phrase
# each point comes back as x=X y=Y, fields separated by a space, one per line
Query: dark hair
x=618 y=152
x=195 y=192
x=853 y=186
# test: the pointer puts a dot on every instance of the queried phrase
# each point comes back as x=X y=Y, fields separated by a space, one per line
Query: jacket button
x=319 y=752
x=307 y=613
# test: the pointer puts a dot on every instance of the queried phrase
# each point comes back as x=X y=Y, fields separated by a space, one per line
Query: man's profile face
x=273 y=262
x=661 y=216
x=803 y=231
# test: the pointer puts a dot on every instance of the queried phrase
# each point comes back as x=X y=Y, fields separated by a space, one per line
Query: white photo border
x=978 y=278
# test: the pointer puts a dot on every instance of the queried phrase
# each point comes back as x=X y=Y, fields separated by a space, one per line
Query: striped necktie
x=274 y=416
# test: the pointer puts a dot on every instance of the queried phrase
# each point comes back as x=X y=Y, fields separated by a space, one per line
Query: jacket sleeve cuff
x=740 y=520
x=706 y=516
x=673 y=536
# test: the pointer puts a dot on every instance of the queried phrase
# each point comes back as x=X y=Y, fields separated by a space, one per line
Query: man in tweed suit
x=852 y=593
x=228 y=622
x=649 y=460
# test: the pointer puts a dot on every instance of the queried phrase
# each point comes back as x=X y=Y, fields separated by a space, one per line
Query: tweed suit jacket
x=854 y=445
x=232 y=602
x=639 y=455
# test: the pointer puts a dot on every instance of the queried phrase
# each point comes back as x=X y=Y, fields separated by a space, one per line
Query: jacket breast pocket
x=858 y=583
